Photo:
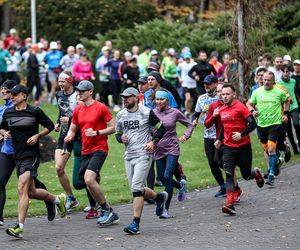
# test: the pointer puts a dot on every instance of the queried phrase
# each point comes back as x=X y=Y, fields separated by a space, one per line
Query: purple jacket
x=169 y=144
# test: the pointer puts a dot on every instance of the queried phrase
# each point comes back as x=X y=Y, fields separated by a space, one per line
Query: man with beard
x=133 y=129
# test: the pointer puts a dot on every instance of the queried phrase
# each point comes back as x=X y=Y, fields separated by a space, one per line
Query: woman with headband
x=166 y=152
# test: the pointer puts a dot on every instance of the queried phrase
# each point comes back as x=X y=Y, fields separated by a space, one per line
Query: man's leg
x=60 y=164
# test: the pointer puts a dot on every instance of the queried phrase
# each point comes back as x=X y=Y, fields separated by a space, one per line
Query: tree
x=68 y=21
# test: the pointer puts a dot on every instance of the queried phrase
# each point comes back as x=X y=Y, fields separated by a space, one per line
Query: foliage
x=160 y=35
x=68 y=21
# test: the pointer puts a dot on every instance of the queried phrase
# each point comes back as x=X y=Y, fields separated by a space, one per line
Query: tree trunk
x=241 y=45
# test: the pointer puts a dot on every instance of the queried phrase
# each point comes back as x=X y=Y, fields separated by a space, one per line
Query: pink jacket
x=83 y=71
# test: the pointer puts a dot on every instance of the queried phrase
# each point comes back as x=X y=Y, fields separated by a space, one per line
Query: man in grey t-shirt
x=133 y=128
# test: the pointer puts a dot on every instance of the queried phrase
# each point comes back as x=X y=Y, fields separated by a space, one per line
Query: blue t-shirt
x=53 y=58
x=7 y=147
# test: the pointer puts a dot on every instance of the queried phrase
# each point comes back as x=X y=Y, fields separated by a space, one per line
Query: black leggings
x=214 y=163
x=7 y=166
x=294 y=119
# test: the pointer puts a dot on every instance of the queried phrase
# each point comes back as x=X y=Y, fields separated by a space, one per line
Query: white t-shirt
x=184 y=69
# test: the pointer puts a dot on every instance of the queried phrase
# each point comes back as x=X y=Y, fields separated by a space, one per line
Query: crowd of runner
x=150 y=92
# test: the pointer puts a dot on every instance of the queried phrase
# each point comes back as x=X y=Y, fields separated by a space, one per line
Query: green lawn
x=113 y=181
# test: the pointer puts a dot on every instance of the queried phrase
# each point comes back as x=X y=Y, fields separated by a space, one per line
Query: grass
x=113 y=177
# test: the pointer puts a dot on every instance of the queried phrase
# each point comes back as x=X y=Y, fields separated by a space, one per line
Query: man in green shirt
x=268 y=101
x=290 y=84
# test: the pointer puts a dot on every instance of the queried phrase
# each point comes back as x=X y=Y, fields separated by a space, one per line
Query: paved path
x=267 y=218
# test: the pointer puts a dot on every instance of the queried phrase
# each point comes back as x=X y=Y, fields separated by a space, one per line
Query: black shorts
x=93 y=161
x=61 y=145
x=28 y=164
x=241 y=157
x=270 y=133
x=193 y=91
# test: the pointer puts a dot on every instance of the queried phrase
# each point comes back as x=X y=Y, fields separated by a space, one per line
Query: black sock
x=105 y=206
x=136 y=220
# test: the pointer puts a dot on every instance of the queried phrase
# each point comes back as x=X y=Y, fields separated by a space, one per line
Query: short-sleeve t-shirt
x=234 y=119
x=268 y=103
x=94 y=116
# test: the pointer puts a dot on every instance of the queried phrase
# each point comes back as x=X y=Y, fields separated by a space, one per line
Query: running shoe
x=278 y=166
x=221 y=193
x=51 y=211
x=165 y=215
x=132 y=228
x=287 y=154
x=92 y=214
x=270 y=180
x=15 y=231
x=228 y=209
x=259 y=178
x=107 y=217
x=61 y=205
x=70 y=204
x=237 y=193
x=160 y=206
x=181 y=193
x=88 y=207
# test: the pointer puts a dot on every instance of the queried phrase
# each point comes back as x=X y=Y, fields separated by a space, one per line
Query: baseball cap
x=209 y=79
x=297 y=62
x=9 y=84
x=84 y=85
x=53 y=45
x=79 y=46
x=105 y=48
x=187 y=55
x=287 y=58
x=19 y=89
x=154 y=52
x=142 y=79
x=153 y=66
x=171 y=51
x=130 y=92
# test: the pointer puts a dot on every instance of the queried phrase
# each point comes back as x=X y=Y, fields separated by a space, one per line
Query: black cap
x=9 y=84
x=19 y=89
x=142 y=79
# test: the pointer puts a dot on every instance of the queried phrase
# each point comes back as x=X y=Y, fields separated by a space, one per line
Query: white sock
x=21 y=225
x=56 y=200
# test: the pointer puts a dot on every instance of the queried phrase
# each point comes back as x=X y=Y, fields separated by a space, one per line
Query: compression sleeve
x=251 y=126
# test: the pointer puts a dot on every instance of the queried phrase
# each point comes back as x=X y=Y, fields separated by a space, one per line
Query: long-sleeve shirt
x=210 y=120
x=169 y=144
x=202 y=69
x=83 y=71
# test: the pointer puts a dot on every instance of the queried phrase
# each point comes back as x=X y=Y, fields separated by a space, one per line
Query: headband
x=162 y=94
x=66 y=77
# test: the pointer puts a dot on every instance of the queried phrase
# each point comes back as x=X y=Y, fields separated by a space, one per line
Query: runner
x=95 y=123
x=203 y=103
x=166 y=151
x=268 y=100
x=21 y=123
x=237 y=124
x=7 y=162
x=133 y=128
x=66 y=101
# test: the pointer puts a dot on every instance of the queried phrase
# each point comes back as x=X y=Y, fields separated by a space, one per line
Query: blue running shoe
x=160 y=206
x=107 y=217
x=221 y=193
x=270 y=180
x=132 y=228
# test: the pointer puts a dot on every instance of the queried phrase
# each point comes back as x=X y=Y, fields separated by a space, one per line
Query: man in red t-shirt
x=95 y=122
x=238 y=123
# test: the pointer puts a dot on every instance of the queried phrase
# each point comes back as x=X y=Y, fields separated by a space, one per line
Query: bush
x=160 y=35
